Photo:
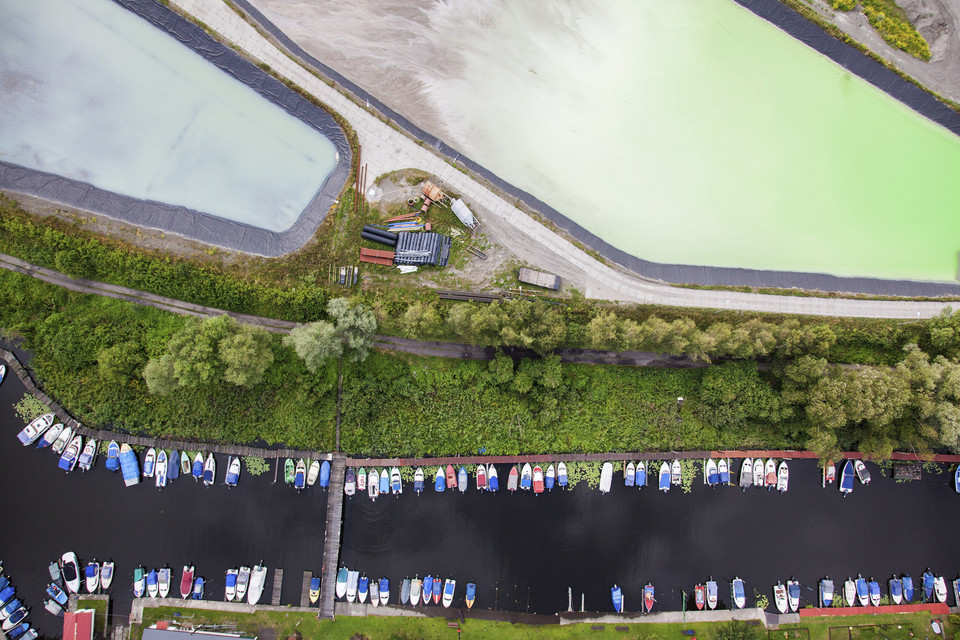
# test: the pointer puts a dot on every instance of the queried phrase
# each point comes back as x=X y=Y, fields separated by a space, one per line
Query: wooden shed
x=539 y=278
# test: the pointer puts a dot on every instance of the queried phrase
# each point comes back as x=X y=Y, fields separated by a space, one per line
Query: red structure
x=78 y=625
x=375 y=256
x=937 y=609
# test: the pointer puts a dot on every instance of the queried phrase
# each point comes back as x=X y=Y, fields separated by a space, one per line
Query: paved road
x=385 y=149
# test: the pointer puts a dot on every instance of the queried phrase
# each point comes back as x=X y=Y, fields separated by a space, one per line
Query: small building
x=164 y=630
x=539 y=278
x=78 y=625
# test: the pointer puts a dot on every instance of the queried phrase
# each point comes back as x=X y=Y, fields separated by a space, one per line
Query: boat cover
x=325 y=474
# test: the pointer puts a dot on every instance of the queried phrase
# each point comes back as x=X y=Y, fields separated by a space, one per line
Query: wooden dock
x=277 y=585
x=305 y=589
x=331 y=541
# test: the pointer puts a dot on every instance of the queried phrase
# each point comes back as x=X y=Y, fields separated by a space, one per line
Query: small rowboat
x=664 y=477
x=163 y=582
x=69 y=458
x=896 y=589
x=449 y=587
x=746 y=473
x=186 y=581
x=350 y=482
x=373 y=484
x=826 y=592
x=197 y=471
x=87 y=456
x=850 y=592
x=51 y=607
x=50 y=436
x=606 y=477
x=829 y=473
x=846 y=478
x=396 y=482
x=185 y=463
x=699 y=596
x=513 y=479
x=712 y=593
x=537 y=480
x=384 y=481
x=150 y=463
x=361 y=480
x=173 y=465
x=793 y=595
x=780 y=597
x=481 y=478
x=758 y=473
x=313 y=473
x=233 y=472
x=641 y=474
x=493 y=482
x=35 y=429
x=471 y=594
x=61 y=442
x=418 y=481
x=198 y=589
x=209 y=470
x=676 y=472
x=462 y=481
x=325 y=474
x=289 y=468
x=439 y=481
x=630 y=475
x=526 y=477
x=451 y=477
x=737 y=593
x=416 y=591
x=617 y=596
x=724 y=470
x=710 y=472
x=770 y=474
x=550 y=479
x=648 y=598
x=342 y=575
x=160 y=473
x=783 y=477
x=405 y=591
x=862 y=472
x=106 y=575
x=562 y=474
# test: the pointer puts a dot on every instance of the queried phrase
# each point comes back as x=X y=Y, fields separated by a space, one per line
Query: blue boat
x=325 y=474
x=641 y=474
x=4 y=581
x=363 y=588
x=724 y=470
x=826 y=592
x=18 y=631
x=664 y=477
x=617 y=597
x=396 y=482
x=550 y=478
x=846 y=478
x=737 y=594
x=462 y=479
x=197 y=470
x=713 y=477
x=630 y=475
x=129 y=466
x=173 y=465
x=15 y=618
x=471 y=594
x=10 y=607
x=153 y=584
x=873 y=587
x=418 y=480
x=384 y=481
x=149 y=463
x=70 y=455
x=5 y=594
x=927 y=584
x=562 y=474
x=57 y=594
x=113 y=456
x=197 y=589
x=209 y=470
x=437 y=590
x=299 y=477
x=862 y=594
x=427 y=589
x=896 y=590
x=493 y=481
x=439 y=482
x=526 y=477
x=907 y=588
x=384 y=591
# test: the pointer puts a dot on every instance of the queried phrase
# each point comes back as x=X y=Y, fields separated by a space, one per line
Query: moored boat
x=956 y=479
x=197 y=469
x=112 y=462
x=313 y=472
x=69 y=458
x=51 y=607
x=439 y=481
x=664 y=484
x=57 y=594
x=770 y=474
x=418 y=481
x=723 y=469
x=863 y=594
x=793 y=594
x=396 y=481
x=85 y=461
x=780 y=597
x=676 y=472
x=617 y=596
x=449 y=587
x=537 y=480
x=737 y=594
x=341 y=590
x=230 y=585
x=373 y=484
x=940 y=588
x=562 y=474
x=862 y=472
x=29 y=434
x=91 y=575
x=314 y=590
x=139 y=582
x=641 y=474
x=699 y=596
x=363 y=589
x=630 y=474
x=437 y=590
x=10 y=606
x=493 y=481
x=384 y=586
x=896 y=589
x=606 y=477
x=353 y=580
x=325 y=474
x=758 y=468
x=513 y=478
x=362 y=480
x=149 y=462
x=243 y=581
x=829 y=473
x=451 y=477
x=185 y=463
x=129 y=466
x=462 y=480
x=710 y=473
x=416 y=590
x=746 y=473
x=471 y=596
x=826 y=592
x=846 y=478
x=300 y=475
x=927 y=583
x=70 y=570
x=550 y=478
x=14 y=619
x=648 y=598
x=163 y=582
x=160 y=474
x=384 y=481
x=209 y=470
x=712 y=593
x=50 y=436
x=427 y=589
x=289 y=468
x=405 y=591
x=350 y=482
x=956 y=592
x=198 y=589
x=173 y=465
x=526 y=477
x=873 y=588
x=258 y=578
x=374 y=588
x=783 y=477
x=186 y=581
x=850 y=592
x=233 y=472
x=153 y=583
x=481 y=477
x=62 y=440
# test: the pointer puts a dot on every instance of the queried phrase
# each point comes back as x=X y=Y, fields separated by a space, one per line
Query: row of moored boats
x=243 y=583
x=13 y=612
x=302 y=473
x=354 y=587
x=486 y=478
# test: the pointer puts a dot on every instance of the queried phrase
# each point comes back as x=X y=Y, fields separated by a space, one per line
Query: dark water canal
x=46 y=512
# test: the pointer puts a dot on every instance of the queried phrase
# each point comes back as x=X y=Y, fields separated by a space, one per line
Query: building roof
x=78 y=625
x=172 y=633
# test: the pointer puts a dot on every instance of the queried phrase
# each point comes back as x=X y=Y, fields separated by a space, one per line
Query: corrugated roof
x=78 y=625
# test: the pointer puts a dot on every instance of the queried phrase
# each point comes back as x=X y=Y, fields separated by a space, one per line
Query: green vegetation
x=101 y=607
x=891 y=22
x=255 y=465
x=29 y=407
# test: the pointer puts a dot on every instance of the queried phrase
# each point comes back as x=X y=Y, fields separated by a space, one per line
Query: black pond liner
x=182 y=220
x=786 y=19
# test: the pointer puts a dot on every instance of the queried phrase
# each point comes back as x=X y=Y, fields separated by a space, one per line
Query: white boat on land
x=61 y=442
x=361 y=480
x=676 y=472
x=243 y=581
x=780 y=597
x=160 y=474
x=373 y=483
x=313 y=473
x=163 y=581
x=862 y=472
x=746 y=473
x=106 y=575
x=606 y=477
x=258 y=578
x=87 y=456
x=783 y=477
x=35 y=429
x=758 y=473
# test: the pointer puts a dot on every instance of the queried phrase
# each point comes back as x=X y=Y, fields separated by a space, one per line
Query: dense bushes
x=890 y=21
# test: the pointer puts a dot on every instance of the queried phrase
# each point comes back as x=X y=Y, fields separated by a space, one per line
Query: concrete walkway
x=386 y=149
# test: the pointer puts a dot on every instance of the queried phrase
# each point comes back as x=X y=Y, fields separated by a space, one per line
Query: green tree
x=422 y=320
x=246 y=355
x=535 y=325
x=355 y=325
x=160 y=376
x=122 y=362
x=733 y=394
x=315 y=343
x=602 y=331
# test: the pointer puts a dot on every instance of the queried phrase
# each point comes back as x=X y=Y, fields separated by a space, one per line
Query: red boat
x=699 y=597
x=451 y=477
x=186 y=582
x=481 y=478
x=830 y=472
x=537 y=479
x=648 y=597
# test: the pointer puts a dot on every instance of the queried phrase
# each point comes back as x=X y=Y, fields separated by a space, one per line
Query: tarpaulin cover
x=789 y=21
x=182 y=220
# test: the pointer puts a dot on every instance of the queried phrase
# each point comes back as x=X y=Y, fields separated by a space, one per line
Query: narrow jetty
x=305 y=589
x=277 y=585
x=331 y=542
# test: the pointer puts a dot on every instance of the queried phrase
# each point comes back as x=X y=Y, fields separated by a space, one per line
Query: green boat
x=288 y=471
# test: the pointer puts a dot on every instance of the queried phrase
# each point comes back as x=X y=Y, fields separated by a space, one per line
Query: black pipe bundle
x=366 y=235
x=392 y=237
